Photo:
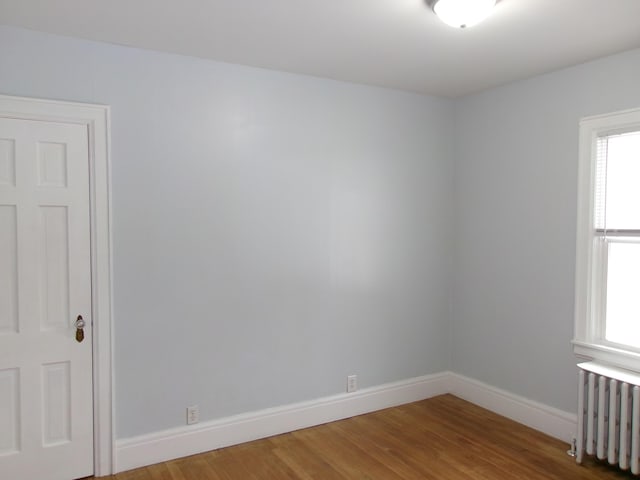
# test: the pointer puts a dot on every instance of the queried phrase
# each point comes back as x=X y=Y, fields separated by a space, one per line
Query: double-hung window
x=607 y=308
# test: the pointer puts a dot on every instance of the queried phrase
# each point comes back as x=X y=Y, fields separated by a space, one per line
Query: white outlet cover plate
x=352 y=383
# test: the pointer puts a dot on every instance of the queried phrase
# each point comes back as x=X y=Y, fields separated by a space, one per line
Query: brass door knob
x=80 y=324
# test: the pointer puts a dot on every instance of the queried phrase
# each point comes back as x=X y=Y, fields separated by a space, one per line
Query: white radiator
x=609 y=415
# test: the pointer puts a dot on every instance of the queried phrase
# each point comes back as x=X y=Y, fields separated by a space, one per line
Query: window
x=607 y=309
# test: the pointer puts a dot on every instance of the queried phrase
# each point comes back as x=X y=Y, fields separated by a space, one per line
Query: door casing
x=96 y=118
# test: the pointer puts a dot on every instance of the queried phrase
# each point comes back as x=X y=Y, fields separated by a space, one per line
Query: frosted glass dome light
x=463 y=13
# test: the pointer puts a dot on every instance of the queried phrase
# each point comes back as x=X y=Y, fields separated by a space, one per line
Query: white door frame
x=96 y=119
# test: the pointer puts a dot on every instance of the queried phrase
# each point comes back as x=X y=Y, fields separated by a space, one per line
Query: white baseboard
x=189 y=440
x=555 y=423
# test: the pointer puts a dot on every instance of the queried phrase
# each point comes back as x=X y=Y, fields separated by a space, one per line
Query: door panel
x=8 y=270
x=46 y=401
x=7 y=162
x=9 y=411
x=53 y=268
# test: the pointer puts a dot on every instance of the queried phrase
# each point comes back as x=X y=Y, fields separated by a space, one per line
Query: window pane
x=623 y=294
x=623 y=178
x=599 y=197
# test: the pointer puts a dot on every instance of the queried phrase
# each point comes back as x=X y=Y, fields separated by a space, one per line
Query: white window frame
x=590 y=287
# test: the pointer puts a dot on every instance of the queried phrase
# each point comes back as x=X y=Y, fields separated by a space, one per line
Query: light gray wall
x=273 y=233
x=516 y=150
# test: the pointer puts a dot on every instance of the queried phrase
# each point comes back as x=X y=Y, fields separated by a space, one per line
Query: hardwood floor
x=442 y=438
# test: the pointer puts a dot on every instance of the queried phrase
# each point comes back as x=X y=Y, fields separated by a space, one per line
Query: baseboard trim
x=189 y=440
x=552 y=421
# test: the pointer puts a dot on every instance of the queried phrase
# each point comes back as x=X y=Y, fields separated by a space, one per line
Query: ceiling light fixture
x=463 y=13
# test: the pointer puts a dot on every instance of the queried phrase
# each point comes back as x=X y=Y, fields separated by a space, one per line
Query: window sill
x=610 y=355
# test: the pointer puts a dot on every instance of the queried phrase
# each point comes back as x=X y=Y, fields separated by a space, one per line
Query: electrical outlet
x=193 y=414
x=352 y=383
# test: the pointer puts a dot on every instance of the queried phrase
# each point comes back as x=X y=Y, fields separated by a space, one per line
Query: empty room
x=352 y=239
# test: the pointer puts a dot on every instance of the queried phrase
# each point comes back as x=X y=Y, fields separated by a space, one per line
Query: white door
x=46 y=401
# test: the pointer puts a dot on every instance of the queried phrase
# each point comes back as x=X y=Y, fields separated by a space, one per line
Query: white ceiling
x=391 y=43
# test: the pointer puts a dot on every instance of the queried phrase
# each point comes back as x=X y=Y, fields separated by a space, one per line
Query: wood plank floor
x=442 y=438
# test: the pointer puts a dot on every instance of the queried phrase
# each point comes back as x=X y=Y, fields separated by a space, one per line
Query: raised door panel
x=8 y=270
x=7 y=162
x=9 y=411
x=53 y=268
x=52 y=164
x=56 y=404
